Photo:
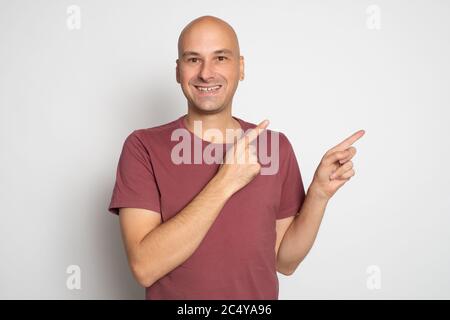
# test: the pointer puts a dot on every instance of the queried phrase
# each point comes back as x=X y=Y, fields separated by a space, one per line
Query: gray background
x=69 y=98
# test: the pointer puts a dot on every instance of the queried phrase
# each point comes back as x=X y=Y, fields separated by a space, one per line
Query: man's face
x=209 y=68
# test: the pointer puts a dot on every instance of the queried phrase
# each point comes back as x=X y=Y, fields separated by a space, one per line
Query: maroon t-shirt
x=236 y=259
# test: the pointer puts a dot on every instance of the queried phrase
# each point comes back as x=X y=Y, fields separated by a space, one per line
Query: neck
x=221 y=121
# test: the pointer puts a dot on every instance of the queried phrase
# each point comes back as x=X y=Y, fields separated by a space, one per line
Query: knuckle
x=256 y=166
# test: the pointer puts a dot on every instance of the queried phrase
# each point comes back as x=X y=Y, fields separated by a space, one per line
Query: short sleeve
x=135 y=185
x=292 y=190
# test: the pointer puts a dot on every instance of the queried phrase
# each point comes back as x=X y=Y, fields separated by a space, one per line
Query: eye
x=222 y=58
x=192 y=60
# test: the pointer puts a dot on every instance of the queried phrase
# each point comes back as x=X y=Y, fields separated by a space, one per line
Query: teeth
x=208 y=88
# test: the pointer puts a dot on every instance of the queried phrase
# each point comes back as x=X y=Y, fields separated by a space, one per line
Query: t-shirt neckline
x=181 y=124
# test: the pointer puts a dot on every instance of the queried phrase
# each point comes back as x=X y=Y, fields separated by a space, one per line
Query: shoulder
x=156 y=131
x=146 y=137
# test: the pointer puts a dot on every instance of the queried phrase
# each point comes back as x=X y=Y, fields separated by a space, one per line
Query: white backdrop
x=319 y=70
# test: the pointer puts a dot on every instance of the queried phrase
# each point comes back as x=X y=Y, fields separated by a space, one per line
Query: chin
x=209 y=106
x=209 y=109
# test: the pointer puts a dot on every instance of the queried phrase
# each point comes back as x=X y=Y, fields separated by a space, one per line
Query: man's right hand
x=240 y=165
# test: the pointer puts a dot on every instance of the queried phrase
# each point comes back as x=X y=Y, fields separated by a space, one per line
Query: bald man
x=211 y=225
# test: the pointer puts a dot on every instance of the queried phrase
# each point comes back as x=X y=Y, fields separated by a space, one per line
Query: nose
x=205 y=72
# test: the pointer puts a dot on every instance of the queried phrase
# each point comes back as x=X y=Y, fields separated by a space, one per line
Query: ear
x=241 y=68
x=177 y=71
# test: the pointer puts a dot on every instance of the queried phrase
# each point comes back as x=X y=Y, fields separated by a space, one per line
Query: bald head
x=209 y=56
x=205 y=31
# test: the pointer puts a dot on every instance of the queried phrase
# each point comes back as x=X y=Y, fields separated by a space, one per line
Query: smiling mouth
x=210 y=89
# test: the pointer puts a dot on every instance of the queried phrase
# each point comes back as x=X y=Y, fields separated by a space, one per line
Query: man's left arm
x=334 y=170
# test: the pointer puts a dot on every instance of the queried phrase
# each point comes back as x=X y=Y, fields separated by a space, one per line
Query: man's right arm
x=154 y=248
x=167 y=245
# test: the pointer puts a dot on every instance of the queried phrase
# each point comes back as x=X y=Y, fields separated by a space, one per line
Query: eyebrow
x=220 y=51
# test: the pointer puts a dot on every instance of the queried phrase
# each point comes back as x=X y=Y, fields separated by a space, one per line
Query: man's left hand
x=335 y=168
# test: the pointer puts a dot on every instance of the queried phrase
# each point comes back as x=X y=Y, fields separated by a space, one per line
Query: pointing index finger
x=254 y=133
x=349 y=141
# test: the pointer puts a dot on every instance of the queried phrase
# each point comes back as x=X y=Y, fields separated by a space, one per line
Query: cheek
x=186 y=74
x=232 y=80
x=235 y=74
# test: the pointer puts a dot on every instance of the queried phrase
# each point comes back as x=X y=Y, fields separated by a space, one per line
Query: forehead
x=207 y=39
x=223 y=51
